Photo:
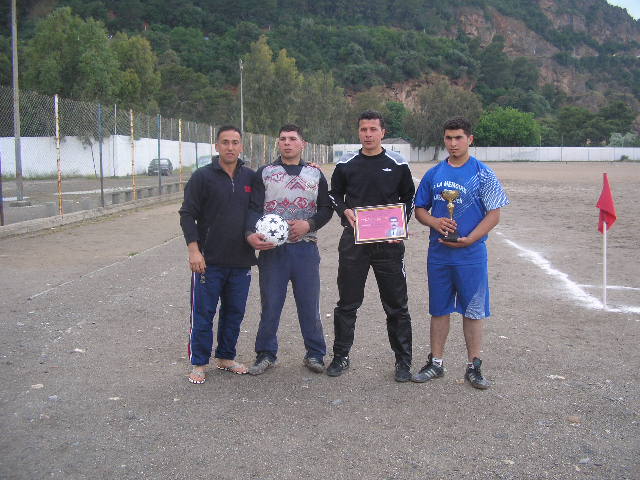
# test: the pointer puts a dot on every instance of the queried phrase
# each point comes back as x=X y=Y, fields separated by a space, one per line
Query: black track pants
x=387 y=261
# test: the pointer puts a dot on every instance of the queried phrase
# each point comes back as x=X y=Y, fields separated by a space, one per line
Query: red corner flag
x=606 y=206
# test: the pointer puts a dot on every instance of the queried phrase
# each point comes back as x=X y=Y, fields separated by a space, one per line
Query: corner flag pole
x=607 y=218
x=604 y=265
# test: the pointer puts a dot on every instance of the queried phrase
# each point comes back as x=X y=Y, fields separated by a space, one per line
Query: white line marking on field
x=611 y=287
x=102 y=268
x=578 y=293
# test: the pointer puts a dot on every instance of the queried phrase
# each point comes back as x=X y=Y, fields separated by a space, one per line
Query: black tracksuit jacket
x=214 y=213
x=365 y=181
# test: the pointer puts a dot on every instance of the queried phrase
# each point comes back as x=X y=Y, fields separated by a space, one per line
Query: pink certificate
x=380 y=223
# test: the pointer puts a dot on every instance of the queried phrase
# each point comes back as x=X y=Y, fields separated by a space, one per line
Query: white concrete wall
x=38 y=155
x=403 y=149
x=536 y=154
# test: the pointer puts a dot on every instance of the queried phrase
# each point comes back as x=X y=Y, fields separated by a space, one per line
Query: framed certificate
x=380 y=223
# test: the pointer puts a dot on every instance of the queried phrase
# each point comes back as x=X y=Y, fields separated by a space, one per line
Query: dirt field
x=93 y=369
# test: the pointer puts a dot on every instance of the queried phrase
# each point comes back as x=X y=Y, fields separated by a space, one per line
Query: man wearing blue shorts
x=457 y=270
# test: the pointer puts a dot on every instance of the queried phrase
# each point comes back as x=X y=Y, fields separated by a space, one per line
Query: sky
x=632 y=6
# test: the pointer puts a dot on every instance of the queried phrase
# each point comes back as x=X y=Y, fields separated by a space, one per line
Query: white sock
x=437 y=361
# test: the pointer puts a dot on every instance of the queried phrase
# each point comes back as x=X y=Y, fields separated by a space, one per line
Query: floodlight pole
x=16 y=104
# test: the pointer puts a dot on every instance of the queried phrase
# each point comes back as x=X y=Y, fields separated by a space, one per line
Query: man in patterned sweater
x=298 y=192
x=457 y=271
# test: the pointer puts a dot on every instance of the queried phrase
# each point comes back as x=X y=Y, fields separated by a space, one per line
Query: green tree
x=524 y=101
x=187 y=94
x=495 y=66
x=618 y=115
x=271 y=88
x=395 y=120
x=554 y=95
x=140 y=79
x=259 y=78
x=321 y=109
x=285 y=90
x=624 y=140
x=525 y=73
x=507 y=127
x=71 y=57
x=570 y=125
x=435 y=104
x=5 y=61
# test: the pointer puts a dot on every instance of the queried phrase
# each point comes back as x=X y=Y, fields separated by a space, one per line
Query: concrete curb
x=37 y=224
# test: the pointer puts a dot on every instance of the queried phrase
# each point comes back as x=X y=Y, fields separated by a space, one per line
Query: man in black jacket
x=212 y=217
x=373 y=176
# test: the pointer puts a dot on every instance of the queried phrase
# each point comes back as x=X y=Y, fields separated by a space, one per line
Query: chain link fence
x=77 y=155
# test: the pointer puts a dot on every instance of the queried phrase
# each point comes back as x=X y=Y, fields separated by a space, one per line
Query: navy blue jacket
x=214 y=213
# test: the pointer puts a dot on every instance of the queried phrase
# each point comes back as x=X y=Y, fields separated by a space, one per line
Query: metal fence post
x=159 y=124
x=196 y=136
x=114 y=156
x=100 y=151
x=180 y=150
x=133 y=156
x=56 y=114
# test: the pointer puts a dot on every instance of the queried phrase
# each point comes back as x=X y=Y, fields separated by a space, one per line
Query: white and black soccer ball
x=274 y=228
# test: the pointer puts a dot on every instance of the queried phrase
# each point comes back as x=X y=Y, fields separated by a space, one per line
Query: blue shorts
x=459 y=288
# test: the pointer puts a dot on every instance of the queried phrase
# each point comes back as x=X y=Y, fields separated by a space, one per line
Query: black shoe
x=474 y=375
x=403 y=373
x=338 y=365
x=263 y=362
x=429 y=371
x=316 y=365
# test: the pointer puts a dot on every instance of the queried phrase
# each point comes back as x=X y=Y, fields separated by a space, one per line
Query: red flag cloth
x=606 y=206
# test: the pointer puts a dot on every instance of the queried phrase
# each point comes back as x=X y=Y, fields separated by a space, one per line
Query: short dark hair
x=458 y=123
x=371 y=115
x=227 y=128
x=290 y=127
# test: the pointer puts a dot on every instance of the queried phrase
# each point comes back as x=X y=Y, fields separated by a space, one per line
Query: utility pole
x=241 y=99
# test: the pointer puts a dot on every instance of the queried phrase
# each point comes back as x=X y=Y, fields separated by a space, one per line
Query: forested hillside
x=568 y=68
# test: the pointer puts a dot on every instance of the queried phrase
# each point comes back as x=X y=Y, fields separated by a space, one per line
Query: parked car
x=203 y=160
x=166 y=168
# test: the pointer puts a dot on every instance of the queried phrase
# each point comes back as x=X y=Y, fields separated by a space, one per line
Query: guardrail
x=128 y=195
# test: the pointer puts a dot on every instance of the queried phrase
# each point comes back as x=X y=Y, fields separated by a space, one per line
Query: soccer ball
x=274 y=228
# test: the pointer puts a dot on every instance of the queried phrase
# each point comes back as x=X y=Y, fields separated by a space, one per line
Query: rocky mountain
x=580 y=47
x=579 y=52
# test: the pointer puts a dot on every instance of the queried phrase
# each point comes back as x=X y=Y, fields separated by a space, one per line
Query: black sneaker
x=403 y=373
x=316 y=365
x=474 y=375
x=429 y=371
x=263 y=362
x=338 y=365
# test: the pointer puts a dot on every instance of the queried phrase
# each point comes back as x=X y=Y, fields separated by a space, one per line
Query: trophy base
x=451 y=237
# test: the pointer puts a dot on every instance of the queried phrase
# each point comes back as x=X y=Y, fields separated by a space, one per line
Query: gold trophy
x=450 y=196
